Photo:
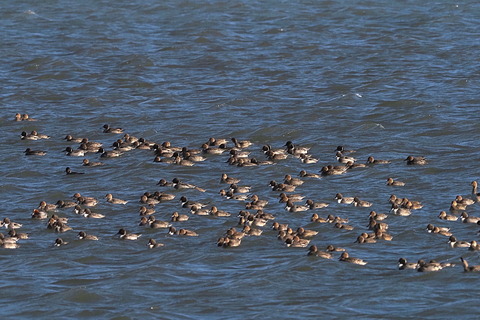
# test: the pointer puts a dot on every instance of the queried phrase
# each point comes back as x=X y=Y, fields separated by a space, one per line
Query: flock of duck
x=254 y=218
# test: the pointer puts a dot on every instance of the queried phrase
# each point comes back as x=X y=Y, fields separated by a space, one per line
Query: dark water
x=386 y=78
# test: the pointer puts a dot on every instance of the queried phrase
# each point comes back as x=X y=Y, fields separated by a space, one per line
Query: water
x=387 y=79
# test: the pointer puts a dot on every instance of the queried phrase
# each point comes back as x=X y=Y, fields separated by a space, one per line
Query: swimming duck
x=70 y=138
x=30 y=152
x=17 y=235
x=109 y=153
x=466 y=218
x=476 y=195
x=59 y=242
x=87 y=213
x=455 y=206
x=305 y=233
x=399 y=211
x=315 y=205
x=411 y=160
x=292 y=181
x=8 y=224
x=82 y=235
x=88 y=163
x=68 y=171
x=372 y=160
x=395 y=183
x=297 y=242
x=241 y=144
x=280 y=226
x=152 y=243
x=332 y=248
x=291 y=207
x=339 y=225
x=239 y=189
x=474 y=246
x=249 y=231
x=361 y=239
x=308 y=159
x=28 y=136
x=313 y=251
x=305 y=174
x=454 y=243
x=176 y=217
x=344 y=159
x=229 y=180
x=144 y=211
x=468 y=268
x=316 y=218
x=464 y=201
x=345 y=257
x=377 y=216
x=428 y=267
x=403 y=264
x=74 y=153
x=333 y=170
x=39 y=214
x=157 y=224
x=43 y=205
x=124 y=235
x=361 y=203
x=341 y=199
x=113 y=200
x=449 y=217
x=108 y=129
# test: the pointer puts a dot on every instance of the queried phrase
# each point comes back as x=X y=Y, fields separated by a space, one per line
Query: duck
x=284 y=198
x=345 y=257
x=361 y=203
x=59 y=242
x=315 y=205
x=43 y=205
x=85 y=201
x=282 y=186
x=297 y=242
x=241 y=144
x=109 y=153
x=292 y=181
x=239 y=189
x=68 y=171
x=88 y=163
x=90 y=145
x=176 y=217
x=449 y=217
x=343 y=158
x=343 y=150
x=108 y=129
x=305 y=174
x=428 y=267
x=39 y=135
x=61 y=227
x=315 y=252
x=61 y=204
x=74 y=153
x=454 y=243
x=182 y=232
x=231 y=243
x=382 y=235
x=308 y=159
x=124 y=235
x=30 y=152
x=217 y=141
x=82 y=235
x=70 y=138
x=271 y=155
x=403 y=264
x=305 y=233
x=295 y=149
x=333 y=170
x=280 y=226
x=395 y=183
x=341 y=199
x=399 y=211
x=456 y=206
x=372 y=160
x=466 y=218
x=157 y=224
x=189 y=204
x=152 y=244
x=249 y=231
x=468 y=268
x=229 y=180
x=411 y=160
x=316 y=218
x=17 y=235
x=214 y=211
x=177 y=184
x=256 y=201
x=336 y=219
x=87 y=213
x=332 y=248
x=464 y=201
x=339 y=225
x=8 y=224
x=144 y=211
x=207 y=149
x=291 y=207
x=361 y=239
x=475 y=193
x=113 y=200
x=39 y=214
x=439 y=230
x=474 y=246
x=377 y=216
x=28 y=136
